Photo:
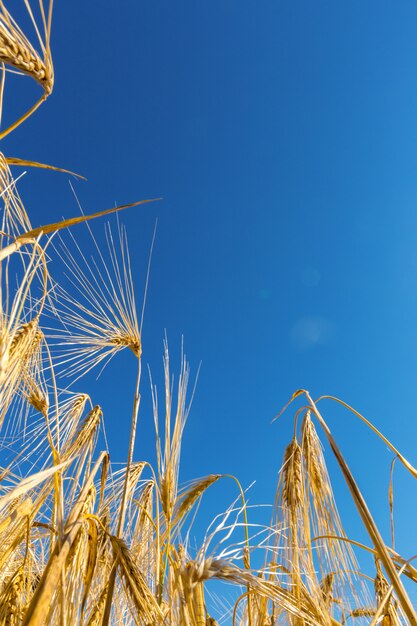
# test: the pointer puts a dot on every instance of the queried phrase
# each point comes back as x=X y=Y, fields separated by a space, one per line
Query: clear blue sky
x=283 y=139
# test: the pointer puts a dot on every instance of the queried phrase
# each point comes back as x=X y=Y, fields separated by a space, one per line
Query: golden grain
x=86 y=544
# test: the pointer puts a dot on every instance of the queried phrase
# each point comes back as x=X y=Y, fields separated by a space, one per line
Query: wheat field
x=84 y=544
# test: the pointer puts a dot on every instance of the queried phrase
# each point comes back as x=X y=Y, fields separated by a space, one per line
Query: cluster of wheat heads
x=83 y=544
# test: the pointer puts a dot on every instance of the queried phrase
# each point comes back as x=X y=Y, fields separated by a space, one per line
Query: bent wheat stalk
x=368 y=521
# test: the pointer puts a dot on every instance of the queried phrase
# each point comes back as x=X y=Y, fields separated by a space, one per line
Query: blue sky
x=283 y=139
